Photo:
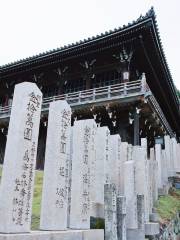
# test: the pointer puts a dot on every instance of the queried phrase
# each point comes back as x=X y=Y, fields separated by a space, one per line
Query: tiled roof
x=141 y=19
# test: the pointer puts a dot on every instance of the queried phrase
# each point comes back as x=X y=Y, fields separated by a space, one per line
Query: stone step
x=96 y=234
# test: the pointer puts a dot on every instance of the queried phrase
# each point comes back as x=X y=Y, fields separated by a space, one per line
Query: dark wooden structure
x=108 y=64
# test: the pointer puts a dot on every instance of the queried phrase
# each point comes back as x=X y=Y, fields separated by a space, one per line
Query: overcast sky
x=29 y=27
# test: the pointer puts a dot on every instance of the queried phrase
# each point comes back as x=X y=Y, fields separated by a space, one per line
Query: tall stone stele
x=102 y=162
x=82 y=148
x=130 y=194
x=141 y=176
x=158 y=152
x=115 y=161
x=122 y=159
x=54 y=208
x=110 y=211
x=20 y=160
x=102 y=169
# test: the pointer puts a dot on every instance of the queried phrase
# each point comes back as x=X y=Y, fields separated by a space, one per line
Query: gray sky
x=29 y=27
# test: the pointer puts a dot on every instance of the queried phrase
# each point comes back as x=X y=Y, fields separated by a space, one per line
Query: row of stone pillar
x=79 y=162
x=168 y=160
x=116 y=216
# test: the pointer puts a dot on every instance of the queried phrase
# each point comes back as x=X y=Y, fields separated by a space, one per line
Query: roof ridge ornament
x=151 y=12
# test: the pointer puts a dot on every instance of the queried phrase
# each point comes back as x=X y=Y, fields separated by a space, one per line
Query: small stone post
x=110 y=208
x=121 y=218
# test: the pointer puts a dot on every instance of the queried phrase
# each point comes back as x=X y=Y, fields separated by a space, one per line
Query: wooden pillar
x=88 y=83
x=123 y=126
x=136 y=129
x=123 y=133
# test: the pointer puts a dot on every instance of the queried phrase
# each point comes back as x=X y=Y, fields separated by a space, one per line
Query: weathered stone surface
x=129 y=152
x=93 y=234
x=151 y=229
x=144 y=142
x=54 y=207
x=141 y=176
x=115 y=143
x=164 y=168
x=102 y=156
x=20 y=159
x=135 y=234
x=121 y=218
x=93 y=167
x=123 y=158
x=130 y=194
x=150 y=178
x=102 y=162
x=139 y=233
x=159 y=160
x=153 y=217
x=140 y=212
x=70 y=178
x=175 y=155
x=83 y=134
x=110 y=212
x=97 y=234
x=154 y=176
x=172 y=154
x=107 y=163
x=168 y=153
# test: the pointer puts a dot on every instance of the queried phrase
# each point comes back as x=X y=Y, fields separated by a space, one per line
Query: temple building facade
x=120 y=78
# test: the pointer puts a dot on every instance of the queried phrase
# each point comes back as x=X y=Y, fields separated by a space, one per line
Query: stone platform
x=93 y=234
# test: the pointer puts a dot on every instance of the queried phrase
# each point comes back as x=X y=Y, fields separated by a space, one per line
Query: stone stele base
x=151 y=229
x=135 y=234
x=93 y=234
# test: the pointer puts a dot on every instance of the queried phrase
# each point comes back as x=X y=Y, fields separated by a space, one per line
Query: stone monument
x=110 y=212
x=130 y=194
x=168 y=153
x=115 y=143
x=83 y=131
x=54 y=207
x=20 y=160
x=123 y=158
x=158 y=153
x=154 y=177
x=121 y=218
x=141 y=176
x=102 y=159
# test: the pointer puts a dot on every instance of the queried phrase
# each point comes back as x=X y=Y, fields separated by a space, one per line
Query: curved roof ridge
x=151 y=13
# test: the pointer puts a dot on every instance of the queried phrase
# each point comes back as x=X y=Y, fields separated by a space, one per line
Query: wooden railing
x=98 y=94
x=160 y=113
x=111 y=92
x=101 y=94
